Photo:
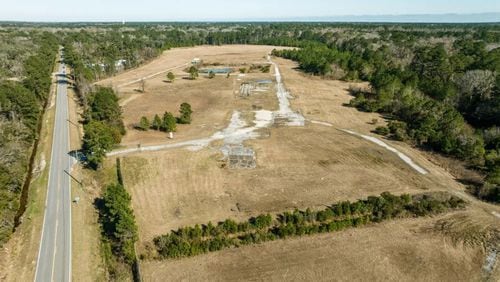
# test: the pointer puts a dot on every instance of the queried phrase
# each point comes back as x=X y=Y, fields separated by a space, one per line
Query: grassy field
x=397 y=251
x=212 y=100
x=297 y=167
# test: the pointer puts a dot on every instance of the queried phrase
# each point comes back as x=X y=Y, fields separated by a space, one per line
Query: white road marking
x=54 y=260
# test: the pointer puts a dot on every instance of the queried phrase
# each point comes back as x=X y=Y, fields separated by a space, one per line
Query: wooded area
x=443 y=96
x=22 y=104
x=103 y=125
x=118 y=228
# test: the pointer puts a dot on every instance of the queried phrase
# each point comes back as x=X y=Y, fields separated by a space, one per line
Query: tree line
x=448 y=101
x=191 y=241
x=118 y=227
x=22 y=104
x=103 y=125
x=168 y=123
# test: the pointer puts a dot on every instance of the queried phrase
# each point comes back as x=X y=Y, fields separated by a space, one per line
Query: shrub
x=192 y=241
x=144 y=124
x=185 y=111
x=382 y=130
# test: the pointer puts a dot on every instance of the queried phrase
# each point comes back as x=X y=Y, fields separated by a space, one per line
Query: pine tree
x=170 y=76
x=157 y=123
x=169 y=123
x=185 y=111
x=144 y=124
x=193 y=72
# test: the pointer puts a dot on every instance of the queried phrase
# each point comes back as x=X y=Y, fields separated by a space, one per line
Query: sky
x=227 y=10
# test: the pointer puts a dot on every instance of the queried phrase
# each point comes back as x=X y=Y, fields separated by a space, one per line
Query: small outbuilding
x=196 y=62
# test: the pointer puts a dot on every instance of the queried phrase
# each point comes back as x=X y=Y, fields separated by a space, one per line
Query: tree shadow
x=78 y=155
x=470 y=182
x=138 y=127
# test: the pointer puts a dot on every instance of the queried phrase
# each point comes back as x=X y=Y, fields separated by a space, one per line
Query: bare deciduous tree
x=476 y=84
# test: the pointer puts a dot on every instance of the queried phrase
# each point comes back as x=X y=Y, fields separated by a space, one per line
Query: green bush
x=191 y=241
x=382 y=130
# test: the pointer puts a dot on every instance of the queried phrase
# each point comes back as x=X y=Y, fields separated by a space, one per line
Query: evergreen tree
x=144 y=124
x=157 y=123
x=169 y=123
x=171 y=76
x=97 y=140
x=185 y=111
x=193 y=72
x=118 y=221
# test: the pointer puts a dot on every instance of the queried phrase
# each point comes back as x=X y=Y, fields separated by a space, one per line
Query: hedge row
x=191 y=241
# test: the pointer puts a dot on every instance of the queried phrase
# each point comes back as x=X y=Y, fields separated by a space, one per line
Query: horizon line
x=361 y=18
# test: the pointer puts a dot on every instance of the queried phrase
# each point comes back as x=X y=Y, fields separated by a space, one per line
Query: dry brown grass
x=297 y=168
x=212 y=100
x=304 y=167
x=395 y=251
x=229 y=54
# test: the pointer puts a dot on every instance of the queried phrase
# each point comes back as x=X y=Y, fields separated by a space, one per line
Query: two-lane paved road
x=54 y=257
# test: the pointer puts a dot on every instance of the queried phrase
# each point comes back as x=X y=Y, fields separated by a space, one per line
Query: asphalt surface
x=54 y=257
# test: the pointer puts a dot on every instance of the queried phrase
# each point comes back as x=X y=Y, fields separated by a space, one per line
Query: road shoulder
x=87 y=264
x=19 y=255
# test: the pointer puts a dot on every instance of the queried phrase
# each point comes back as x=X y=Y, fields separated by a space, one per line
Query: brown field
x=297 y=168
x=396 y=251
x=302 y=167
x=212 y=100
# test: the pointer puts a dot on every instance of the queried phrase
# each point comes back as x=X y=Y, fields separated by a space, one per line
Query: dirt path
x=297 y=167
x=344 y=118
x=237 y=131
x=152 y=75
x=379 y=142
